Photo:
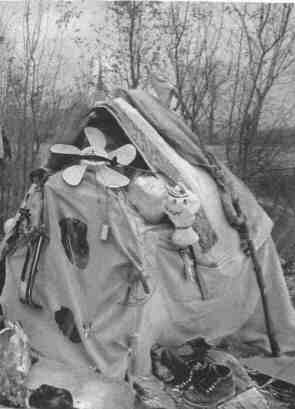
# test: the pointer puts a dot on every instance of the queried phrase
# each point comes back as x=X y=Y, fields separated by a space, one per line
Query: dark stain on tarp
x=74 y=240
x=66 y=323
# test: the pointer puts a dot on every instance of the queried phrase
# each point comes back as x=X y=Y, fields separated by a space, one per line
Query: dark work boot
x=209 y=385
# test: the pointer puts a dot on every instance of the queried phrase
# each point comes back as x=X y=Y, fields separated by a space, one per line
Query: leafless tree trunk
x=261 y=55
x=32 y=96
x=193 y=36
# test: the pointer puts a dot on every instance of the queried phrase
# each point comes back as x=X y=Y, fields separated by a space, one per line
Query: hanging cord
x=38 y=177
x=139 y=277
x=105 y=223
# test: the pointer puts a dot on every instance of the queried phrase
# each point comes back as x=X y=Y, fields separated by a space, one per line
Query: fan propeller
x=95 y=156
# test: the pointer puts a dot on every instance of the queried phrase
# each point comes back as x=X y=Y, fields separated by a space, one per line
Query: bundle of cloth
x=115 y=277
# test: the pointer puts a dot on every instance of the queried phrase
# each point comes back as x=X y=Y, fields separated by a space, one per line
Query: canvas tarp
x=177 y=135
x=95 y=289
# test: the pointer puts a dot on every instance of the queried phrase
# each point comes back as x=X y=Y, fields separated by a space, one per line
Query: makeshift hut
x=116 y=249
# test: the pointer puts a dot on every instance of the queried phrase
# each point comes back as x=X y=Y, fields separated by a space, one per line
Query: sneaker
x=159 y=370
x=194 y=351
x=176 y=366
x=173 y=365
x=162 y=372
x=50 y=397
x=208 y=386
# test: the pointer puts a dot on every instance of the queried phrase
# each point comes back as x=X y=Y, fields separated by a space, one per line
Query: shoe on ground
x=209 y=385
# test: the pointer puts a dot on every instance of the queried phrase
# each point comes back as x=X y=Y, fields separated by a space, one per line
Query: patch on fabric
x=207 y=235
x=48 y=396
x=74 y=240
x=66 y=323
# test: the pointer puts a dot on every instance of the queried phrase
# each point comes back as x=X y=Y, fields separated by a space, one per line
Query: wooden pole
x=245 y=234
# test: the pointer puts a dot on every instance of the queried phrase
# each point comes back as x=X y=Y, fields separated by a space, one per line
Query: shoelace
x=206 y=378
x=203 y=377
x=200 y=375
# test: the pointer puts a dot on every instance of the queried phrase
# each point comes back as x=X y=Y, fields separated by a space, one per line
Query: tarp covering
x=182 y=140
x=93 y=279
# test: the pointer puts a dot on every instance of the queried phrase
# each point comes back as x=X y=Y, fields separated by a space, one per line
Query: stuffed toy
x=181 y=207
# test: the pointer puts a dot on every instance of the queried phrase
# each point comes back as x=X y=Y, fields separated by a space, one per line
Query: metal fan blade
x=96 y=139
x=125 y=154
x=63 y=149
x=111 y=178
x=74 y=174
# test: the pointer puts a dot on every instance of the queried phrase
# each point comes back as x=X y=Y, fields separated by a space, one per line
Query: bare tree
x=260 y=55
x=193 y=38
x=132 y=25
x=34 y=96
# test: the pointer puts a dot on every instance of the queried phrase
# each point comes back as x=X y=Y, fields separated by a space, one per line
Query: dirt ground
x=288 y=402
x=290 y=279
x=277 y=398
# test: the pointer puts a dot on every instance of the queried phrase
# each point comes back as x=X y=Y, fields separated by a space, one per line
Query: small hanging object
x=131 y=354
x=87 y=328
x=188 y=264
x=96 y=157
x=37 y=241
x=31 y=267
x=181 y=207
x=191 y=272
x=104 y=233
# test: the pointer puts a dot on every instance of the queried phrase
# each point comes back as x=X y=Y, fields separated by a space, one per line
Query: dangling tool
x=199 y=279
x=250 y=251
x=31 y=264
x=181 y=207
x=188 y=264
x=191 y=271
x=35 y=246
x=9 y=243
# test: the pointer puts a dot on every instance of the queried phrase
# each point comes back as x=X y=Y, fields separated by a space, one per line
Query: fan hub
x=88 y=151
x=92 y=164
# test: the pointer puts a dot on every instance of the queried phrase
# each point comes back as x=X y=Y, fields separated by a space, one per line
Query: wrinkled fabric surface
x=95 y=293
x=177 y=137
x=172 y=313
x=100 y=283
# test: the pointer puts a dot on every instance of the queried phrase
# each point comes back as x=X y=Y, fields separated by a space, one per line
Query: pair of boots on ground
x=189 y=371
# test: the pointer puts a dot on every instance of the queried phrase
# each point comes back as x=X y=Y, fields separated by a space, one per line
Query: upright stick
x=245 y=234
